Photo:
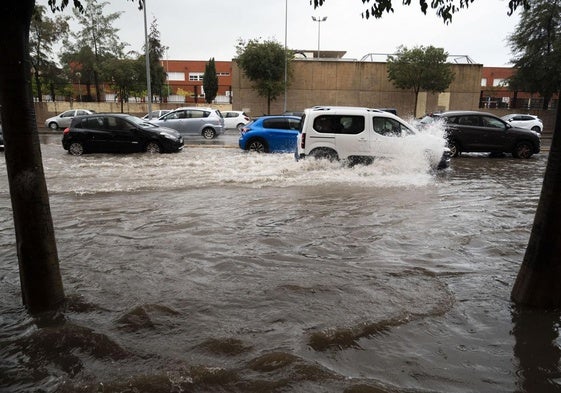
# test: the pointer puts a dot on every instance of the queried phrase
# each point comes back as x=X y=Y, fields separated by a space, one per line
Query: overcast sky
x=201 y=29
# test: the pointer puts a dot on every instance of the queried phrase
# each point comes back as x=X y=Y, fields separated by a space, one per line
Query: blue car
x=270 y=134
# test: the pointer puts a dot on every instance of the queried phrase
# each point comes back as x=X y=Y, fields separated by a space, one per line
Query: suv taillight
x=66 y=130
x=303 y=141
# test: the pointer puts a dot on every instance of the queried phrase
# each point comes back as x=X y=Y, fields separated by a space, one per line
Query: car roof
x=460 y=113
x=265 y=117
x=279 y=116
x=340 y=110
x=201 y=108
x=112 y=114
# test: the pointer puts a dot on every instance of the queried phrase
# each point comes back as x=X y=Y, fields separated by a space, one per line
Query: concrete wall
x=339 y=82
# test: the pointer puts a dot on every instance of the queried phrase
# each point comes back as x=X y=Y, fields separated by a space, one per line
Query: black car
x=471 y=131
x=119 y=133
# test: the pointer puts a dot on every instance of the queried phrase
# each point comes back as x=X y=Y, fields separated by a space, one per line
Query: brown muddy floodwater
x=214 y=270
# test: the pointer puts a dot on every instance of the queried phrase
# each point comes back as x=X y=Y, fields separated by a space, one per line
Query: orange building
x=496 y=94
x=185 y=81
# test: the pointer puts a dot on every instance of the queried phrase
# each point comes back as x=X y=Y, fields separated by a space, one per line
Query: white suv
x=361 y=134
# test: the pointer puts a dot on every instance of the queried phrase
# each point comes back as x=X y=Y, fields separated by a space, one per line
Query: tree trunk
x=38 y=84
x=416 y=101
x=52 y=90
x=97 y=92
x=539 y=280
x=40 y=277
x=269 y=102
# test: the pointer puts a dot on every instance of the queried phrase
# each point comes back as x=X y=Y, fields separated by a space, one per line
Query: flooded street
x=217 y=270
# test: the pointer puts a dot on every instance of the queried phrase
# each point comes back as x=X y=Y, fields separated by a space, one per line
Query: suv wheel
x=76 y=149
x=324 y=153
x=454 y=148
x=208 y=133
x=523 y=150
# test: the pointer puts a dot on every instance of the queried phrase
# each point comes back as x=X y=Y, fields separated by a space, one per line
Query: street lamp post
x=147 y=55
x=285 y=53
x=319 y=20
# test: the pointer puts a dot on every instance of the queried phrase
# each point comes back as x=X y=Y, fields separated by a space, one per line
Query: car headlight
x=169 y=136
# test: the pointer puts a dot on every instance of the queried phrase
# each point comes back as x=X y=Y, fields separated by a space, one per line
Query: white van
x=362 y=134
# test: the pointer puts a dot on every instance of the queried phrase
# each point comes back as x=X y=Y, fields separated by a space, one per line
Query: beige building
x=356 y=83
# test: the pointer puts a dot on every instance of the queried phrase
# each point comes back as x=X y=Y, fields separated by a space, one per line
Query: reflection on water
x=217 y=270
x=536 y=351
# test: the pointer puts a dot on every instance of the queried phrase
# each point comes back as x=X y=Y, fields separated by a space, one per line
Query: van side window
x=339 y=124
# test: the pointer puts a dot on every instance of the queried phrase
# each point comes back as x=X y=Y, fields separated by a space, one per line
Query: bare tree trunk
x=539 y=280
x=40 y=277
x=38 y=84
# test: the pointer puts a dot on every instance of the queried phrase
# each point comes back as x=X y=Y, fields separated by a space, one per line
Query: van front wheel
x=325 y=153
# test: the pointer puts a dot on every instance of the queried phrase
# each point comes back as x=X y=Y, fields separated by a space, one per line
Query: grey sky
x=199 y=30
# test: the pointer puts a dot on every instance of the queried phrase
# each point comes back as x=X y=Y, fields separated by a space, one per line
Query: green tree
x=81 y=67
x=420 y=69
x=124 y=75
x=210 y=81
x=156 y=53
x=44 y=32
x=536 y=45
x=97 y=34
x=263 y=63
x=444 y=8
x=57 y=82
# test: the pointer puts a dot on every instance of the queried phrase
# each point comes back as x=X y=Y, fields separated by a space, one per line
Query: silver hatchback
x=194 y=121
x=64 y=119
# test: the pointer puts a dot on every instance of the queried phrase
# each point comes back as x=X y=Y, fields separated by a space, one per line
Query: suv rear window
x=339 y=124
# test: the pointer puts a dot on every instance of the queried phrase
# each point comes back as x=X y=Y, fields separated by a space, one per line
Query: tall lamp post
x=147 y=56
x=285 y=52
x=319 y=20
